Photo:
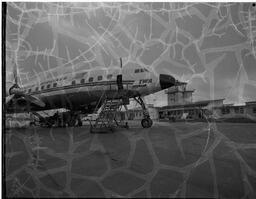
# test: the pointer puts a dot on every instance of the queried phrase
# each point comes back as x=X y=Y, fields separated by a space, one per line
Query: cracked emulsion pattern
x=210 y=45
x=179 y=160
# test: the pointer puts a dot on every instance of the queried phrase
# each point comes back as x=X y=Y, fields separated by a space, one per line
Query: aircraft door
x=119 y=82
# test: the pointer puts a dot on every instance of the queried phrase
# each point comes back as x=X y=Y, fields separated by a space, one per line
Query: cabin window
x=109 y=76
x=241 y=110
x=54 y=84
x=141 y=70
x=91 y=79
x=100 y=77
x=36 y=88
x=29 y=90
x=73 y=82
x=48 y=86
x=82 y=81
x=42 y=87
x=236 y=110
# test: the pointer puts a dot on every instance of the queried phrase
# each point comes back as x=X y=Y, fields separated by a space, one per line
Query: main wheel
x=79 y=123
x=71 y=122
x=146 y=123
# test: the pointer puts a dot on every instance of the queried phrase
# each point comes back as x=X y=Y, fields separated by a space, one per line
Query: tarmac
x=209 y=160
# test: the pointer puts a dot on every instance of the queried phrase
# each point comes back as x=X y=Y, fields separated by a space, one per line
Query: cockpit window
x=137 y=70
x=36 y=88
x=91 y=79
x=42 y=87
x=54 y=84
x=82 y=81
x=73 y=82
x=141 y=70
x=100 y=77
x=48 y=86
x=109 y=76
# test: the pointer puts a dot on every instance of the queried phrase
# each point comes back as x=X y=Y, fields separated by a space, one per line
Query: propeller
x=17 y=91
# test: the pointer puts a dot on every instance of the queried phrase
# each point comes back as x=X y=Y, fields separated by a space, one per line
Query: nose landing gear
x=146 y=122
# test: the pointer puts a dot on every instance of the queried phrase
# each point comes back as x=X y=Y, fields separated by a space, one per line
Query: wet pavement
x=215 y=160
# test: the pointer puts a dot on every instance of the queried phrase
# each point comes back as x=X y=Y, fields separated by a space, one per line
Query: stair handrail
x=104 y=92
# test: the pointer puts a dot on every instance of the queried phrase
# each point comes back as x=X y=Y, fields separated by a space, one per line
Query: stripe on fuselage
x=77 y=86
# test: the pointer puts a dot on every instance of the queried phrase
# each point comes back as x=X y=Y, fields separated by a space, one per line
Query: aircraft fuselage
x=75 y=91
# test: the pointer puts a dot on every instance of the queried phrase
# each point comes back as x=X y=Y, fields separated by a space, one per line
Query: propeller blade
x=9 y=98
x=15 y=73
x=35 y=100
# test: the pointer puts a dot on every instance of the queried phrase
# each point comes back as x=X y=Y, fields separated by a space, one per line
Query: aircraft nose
x=166 y=81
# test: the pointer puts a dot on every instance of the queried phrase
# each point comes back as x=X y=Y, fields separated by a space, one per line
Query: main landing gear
x=74 y=119
x=146 y=122
x=69 y=118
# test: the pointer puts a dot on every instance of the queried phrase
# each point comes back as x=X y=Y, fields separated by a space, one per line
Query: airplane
x=80 y=91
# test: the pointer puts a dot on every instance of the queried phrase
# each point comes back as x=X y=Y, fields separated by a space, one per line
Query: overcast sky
x=211 y=46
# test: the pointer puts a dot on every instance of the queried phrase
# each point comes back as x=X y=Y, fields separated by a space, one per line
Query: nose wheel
x=146 y=122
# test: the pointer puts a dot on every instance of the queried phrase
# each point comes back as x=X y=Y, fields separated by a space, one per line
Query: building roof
x=228 y=104
x=194 y=104
x=181 y=91
x=250 y=103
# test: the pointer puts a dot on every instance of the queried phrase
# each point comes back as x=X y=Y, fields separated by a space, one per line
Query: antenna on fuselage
x=121 y=62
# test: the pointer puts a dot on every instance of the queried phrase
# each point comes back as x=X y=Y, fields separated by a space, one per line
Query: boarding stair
x=109 y=115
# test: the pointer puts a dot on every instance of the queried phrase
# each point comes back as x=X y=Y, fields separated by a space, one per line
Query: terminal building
x=180 y=105
x=235 y=111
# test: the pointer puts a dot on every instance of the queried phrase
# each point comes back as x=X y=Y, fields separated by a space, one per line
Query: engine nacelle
x=14 y=89
x=22 y=102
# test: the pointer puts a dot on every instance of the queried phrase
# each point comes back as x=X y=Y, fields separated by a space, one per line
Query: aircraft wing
x=22 y=102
